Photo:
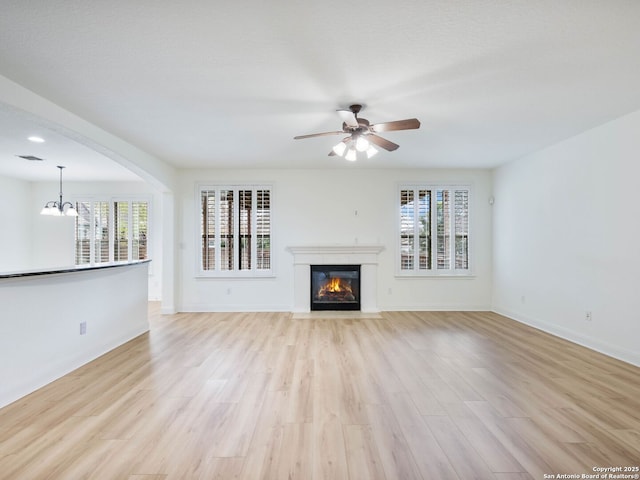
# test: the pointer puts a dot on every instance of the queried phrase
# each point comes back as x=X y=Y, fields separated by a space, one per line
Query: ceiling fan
x=361 y=134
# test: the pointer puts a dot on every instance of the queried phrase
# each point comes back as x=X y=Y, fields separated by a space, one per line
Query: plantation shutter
x=139 y=230
x=407 y=229
x=83 y=233
x=461 y=208
x=244 y=229
x=235 y=226
x=434 y=229
x=227 y=239
x=101 y=232
x=424 y=229
x=108 y=231
x=121 y=231
x=208 y=229
x=444 y=229
x=263 y=230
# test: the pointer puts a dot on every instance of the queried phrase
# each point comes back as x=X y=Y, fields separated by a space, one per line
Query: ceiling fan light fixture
x=351 y=155
x=339 y=148
x=361 y=134
x=362 y=144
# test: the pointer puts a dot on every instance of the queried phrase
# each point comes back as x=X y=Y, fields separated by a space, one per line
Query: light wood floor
x=265 y=396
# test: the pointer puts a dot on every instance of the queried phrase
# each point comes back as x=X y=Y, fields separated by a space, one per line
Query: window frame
x=434 y=271
x=111 y=201
x=253 y=272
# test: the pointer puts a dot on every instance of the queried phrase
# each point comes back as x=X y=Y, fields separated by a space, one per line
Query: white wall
x=40 y=336
x=566 y=230
x=15 y=224
x=318 y=207
x=53 y=238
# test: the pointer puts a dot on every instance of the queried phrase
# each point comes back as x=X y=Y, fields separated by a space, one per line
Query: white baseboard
x=212 y=307
x=628 y=356
x=435 y=308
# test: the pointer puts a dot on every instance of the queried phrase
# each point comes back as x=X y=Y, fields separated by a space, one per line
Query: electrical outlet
x=83 y=328
x=588 y=317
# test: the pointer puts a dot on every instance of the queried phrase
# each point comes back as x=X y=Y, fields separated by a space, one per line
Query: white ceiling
x=59 y=148
x=229 y=84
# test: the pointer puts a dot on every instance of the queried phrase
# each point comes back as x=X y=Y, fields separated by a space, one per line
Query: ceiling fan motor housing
x=363 y=126
x=355 y=108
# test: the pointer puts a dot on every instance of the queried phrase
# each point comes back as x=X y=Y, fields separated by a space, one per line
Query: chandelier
x=58 y=208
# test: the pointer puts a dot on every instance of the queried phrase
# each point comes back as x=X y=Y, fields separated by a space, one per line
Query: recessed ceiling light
x=35 y=139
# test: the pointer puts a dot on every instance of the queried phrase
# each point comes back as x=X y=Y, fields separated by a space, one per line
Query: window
x=434 y=230
x=111 y=231
x=235 y=230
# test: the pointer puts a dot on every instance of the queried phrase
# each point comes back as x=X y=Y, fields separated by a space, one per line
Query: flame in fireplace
x=335 y=285
x=336 y=290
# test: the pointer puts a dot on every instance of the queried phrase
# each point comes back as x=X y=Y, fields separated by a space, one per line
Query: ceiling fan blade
x=349 y=118
x=408 y=124
x=324 y=134
x=382 y=142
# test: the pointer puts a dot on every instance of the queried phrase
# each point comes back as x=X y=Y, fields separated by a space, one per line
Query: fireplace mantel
x=306 y=255
x=325 y=254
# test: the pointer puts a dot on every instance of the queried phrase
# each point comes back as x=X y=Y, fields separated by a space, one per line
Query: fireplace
x=358 y=254
x=335 y=287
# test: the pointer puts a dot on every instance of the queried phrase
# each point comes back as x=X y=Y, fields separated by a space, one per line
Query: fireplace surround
x=357 y=254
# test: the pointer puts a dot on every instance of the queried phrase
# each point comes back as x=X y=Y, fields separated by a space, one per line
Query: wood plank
x=534 y=463
x=363 y=460
x=491 y=450
x=395 y=454
x=295 y=459
x=429 y=456
x=267 y=436
x=330 y=459
x=463 y=457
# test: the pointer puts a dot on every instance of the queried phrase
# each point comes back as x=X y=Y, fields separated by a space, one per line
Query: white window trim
x=111 y=200
x=253 y=272
x=435 y=272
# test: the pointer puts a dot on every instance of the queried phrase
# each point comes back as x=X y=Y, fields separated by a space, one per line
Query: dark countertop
x=71 y=269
